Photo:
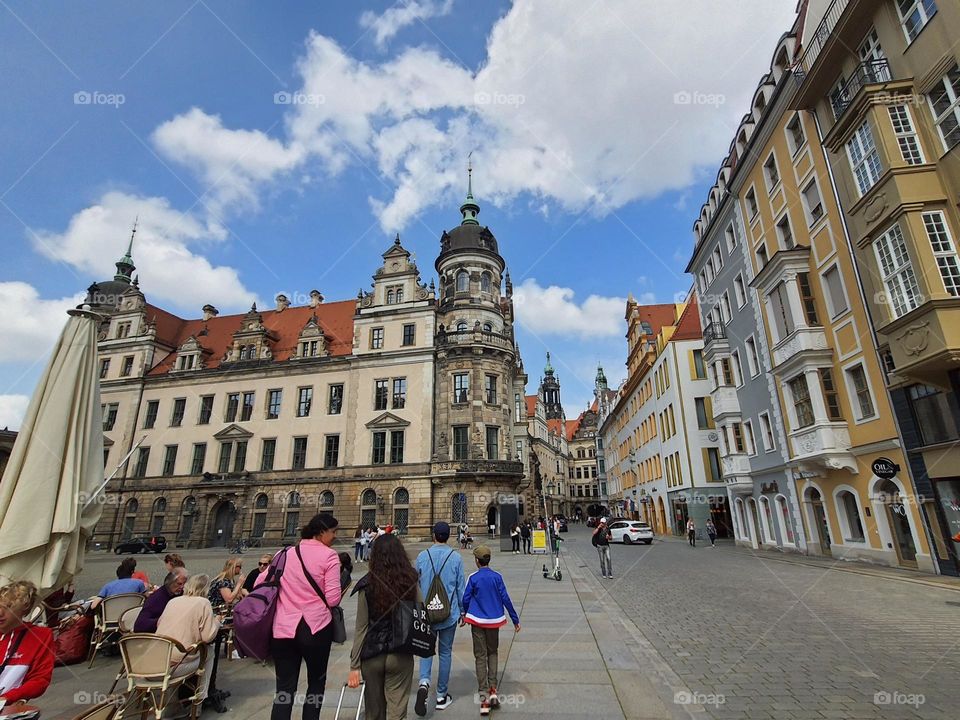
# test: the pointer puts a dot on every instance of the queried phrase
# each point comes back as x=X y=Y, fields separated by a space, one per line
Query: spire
x=601 y=380
x=548 y=370
x=469 y=209
x=125 y=266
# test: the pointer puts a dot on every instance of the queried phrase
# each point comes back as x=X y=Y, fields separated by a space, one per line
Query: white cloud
x=170 y=272
x=12 y=410
x=553 y=311
x=399 y=16
x=29 y=324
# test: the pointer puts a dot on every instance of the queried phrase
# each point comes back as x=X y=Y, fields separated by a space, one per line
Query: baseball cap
x=441 y=530
x=482 y=552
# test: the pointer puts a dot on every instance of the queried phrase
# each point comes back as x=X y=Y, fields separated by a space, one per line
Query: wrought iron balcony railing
x=820 y=36
x=714 y=331
x=867 y=73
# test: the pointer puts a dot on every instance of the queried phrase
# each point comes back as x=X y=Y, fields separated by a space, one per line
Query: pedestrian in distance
x=525 y=532
x=515 y=538
x=484 y=601
x=601 y=541
x=442 y=584
x=387 y=673
x=692 y=532
x=358 y=544
x=712 y=533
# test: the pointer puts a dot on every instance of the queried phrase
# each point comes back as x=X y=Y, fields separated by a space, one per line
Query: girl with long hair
x=226 y=589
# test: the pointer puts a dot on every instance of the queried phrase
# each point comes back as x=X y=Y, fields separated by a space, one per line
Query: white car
x=631 y=531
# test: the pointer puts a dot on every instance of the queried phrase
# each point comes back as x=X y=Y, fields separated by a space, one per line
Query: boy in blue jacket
x=484 y=601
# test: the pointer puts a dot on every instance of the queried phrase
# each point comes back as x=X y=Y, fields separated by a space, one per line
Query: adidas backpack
x=438 y=601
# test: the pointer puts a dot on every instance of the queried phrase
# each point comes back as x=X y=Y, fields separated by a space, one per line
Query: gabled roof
x=688 y=326
x=556 y=426
x=531 y=405
x=216 y=334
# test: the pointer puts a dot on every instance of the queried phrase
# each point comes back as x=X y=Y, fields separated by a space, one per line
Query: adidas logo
x=435 y=604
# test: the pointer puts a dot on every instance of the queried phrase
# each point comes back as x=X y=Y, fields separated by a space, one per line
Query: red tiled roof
x=657 y=315
x=573 y=426
x=688 y=326
x=556 y=426
x=335 y=318
x=531 y=405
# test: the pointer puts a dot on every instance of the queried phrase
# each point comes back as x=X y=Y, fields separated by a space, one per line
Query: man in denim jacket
x=440 y=559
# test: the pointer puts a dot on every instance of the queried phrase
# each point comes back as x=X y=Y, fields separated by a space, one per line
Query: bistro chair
x=106 y=622
x=154 y=677
x=105 y=710
x=127 y=620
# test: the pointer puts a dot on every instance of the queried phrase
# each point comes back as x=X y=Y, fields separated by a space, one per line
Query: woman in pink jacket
x=301 y=627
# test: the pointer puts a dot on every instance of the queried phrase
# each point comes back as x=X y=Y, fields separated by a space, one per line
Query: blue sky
x=279 y=148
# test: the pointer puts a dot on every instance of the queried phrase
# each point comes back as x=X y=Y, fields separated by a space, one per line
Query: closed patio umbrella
x=56 y=467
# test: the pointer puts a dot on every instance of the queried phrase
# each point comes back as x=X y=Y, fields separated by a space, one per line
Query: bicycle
x=240 y=547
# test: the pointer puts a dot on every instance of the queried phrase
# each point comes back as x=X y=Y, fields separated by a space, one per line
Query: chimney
x=209 y=311
x=282 y=302
x=315 y=298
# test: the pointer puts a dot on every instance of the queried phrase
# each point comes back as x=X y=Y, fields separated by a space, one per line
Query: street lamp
x=550 y=488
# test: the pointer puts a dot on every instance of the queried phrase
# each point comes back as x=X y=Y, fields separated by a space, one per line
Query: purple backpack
x=253 y=616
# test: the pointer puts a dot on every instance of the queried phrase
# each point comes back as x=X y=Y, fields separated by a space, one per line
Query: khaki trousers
x=388 y=680
x=486 y=642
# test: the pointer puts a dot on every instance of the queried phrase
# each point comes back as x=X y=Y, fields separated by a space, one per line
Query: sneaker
x=444 y=702
x=420 y=707
x=484 y=708
x=492 y=698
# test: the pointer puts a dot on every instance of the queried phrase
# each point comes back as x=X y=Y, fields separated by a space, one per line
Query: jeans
x=526 y=545
x=606 y=566
x=357 y=551
x=692 y=537
x=515 y=539
x=288 y=653
x=445 y=653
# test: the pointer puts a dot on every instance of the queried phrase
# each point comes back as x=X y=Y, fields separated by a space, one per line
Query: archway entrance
x=898 y=516
x=492 y=519
x=757 y=528
x=820 y=525
x=221 y=531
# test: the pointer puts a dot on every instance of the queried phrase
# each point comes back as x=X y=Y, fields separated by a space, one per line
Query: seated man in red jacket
x=27 y=649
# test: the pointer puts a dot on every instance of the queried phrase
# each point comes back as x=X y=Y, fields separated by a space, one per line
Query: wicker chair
x=127 y=620
x=106 y=622
x=152 y=677
x=106 y=710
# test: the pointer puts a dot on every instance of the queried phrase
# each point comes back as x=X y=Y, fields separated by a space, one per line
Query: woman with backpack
x=387 y=674
x=303 y=624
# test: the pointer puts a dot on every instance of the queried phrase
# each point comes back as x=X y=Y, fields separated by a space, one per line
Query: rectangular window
x=331 y=453
x=906 y=135
x=830 y=398
x=699 y=372
x=785 y=233
x=379 y=447
x=460 y=442
x=944 y=102
x=748 y=438
x=409 y=334
x=246 y=411
x=812 y=204
x=864 y=158
x=752 y=208
x=299 y=453
x=518 y=408
x=713 y=460
x=717 y=260
x=240 y=457
x=932 y=413
x=169 y=460
x=800 y=392
x=857 y=378
x=914 y=15
x=206 y=409
x=109 y=413
x=753 y=361
x=274 y=400
x=770 y=173
x=769 y=444
x=104 y=367
x=726 y=374
x=399 y=393
x=725 y=312
x=304 y=401
x=780 y=310
x=490 y=389
x=153 y=409
x=127 y=367
x=836 y=297
x=807 y=301
x=737 y=368
x=903 y=295
x=335 y=403
x=396 y=446
x=730 y=234
x=704 y=421
x=795 y=136
x=493 y=443
x=376 y=338
x=226 y=451
x=736 y=435
x=199 y=457
x=943 y=250
x=268 y=454
x=762 y=257
x=233 y=404
x=461 y=387
x=143 y=458
x=179 y=407
x=380 y=394
x=739 y=291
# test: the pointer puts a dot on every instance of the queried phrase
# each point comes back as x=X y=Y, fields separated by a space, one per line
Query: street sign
x=539 y=544
x=884 y=468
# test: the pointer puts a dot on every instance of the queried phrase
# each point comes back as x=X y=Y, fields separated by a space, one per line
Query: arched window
x=159 y=515
x=259 y=515
x=401 y=510
x=368 y=508
x=849 y=512
x=188 y=511
x=399 y=294
x=463 y=281
x=768 y=520
x=458 y=508
x=292 y=519
x=326 y=499
x=786 y=528
x=243 y=352
x=130 y=518
x=485 y=282
x=462 y=326
x=487 y=328
x=390 y=296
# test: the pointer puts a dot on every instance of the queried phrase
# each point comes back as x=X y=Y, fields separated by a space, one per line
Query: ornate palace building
x=397 y=407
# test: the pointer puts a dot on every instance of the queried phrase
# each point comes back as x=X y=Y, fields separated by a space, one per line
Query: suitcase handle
x=359 y=704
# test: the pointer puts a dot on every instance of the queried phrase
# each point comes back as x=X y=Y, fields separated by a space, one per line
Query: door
x=899 y=519
x=755 y=519
x=492 y=519
x=820 y=520
x=222 y=532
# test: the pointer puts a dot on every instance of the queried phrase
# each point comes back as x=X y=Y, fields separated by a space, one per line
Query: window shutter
x=708 y=406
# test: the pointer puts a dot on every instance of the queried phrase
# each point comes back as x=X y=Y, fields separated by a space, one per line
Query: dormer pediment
x=312 y=342
x=233 y=432
x=387 y=420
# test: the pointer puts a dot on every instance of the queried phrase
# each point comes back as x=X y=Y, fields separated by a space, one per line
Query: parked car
x=631 y=531
x=155 y=544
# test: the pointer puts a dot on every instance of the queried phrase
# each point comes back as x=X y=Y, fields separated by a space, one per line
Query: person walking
x=601 y=541
x=387 y=674
x=515 y=538
x=712 y=533
x=370 y=535
x=484 y=601
x=525 y=531
x=358 y=544
x=692 y=532
x=302 y=626
x=440 y=561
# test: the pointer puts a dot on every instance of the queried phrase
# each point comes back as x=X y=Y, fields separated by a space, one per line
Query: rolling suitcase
x=359 y=704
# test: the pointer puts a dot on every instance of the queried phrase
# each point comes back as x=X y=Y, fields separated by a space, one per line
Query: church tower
x=550 y=388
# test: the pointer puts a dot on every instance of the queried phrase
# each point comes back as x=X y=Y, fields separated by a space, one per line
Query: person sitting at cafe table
x=156 y=603
x=226 y=590
x=125 y=583
x=26 y=649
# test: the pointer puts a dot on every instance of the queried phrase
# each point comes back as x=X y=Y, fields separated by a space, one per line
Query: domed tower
x=104 y=297
x=550 y=387
x=479 y=383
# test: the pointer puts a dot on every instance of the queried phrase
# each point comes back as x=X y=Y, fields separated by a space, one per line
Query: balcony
x=800 y=344
x=823 y=446
x=820 y=36
x=868 y=72
x=725 y=402
x=736 y=472
x=478 y=468
x=462 y=338
x=715 y=340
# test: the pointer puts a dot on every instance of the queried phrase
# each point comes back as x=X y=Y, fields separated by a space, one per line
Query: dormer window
x=123 y=329
x=188 y=355
x=186 y=362
x=309 y=348
x=312 y=342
